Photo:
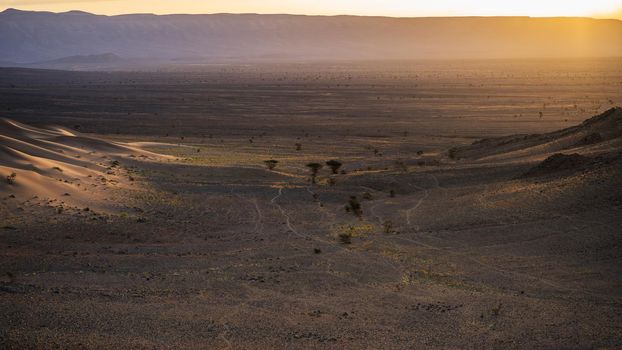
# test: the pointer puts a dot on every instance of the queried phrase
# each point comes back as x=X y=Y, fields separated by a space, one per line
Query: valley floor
x=212 y=250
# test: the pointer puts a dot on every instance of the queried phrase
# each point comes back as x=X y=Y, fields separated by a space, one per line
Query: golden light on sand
x=407 y=8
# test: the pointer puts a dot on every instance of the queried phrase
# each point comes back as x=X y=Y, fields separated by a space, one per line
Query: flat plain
x=475 y=207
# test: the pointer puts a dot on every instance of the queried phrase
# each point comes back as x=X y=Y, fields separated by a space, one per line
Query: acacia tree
x=334 y=165
x=271 y=164
x=314 y=167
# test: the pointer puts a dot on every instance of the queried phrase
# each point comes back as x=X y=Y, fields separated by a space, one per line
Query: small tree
x=314 y=167
x=334 y=165
x=271 y=164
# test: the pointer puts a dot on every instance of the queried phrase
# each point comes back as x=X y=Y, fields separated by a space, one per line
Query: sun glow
x=404 y=8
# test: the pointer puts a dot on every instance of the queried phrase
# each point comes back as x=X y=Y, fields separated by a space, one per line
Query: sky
x=396 y=8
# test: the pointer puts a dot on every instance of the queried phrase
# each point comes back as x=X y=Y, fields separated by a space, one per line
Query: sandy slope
x=59 y=164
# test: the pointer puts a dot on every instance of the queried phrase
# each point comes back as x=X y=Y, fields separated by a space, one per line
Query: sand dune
x=59 y=164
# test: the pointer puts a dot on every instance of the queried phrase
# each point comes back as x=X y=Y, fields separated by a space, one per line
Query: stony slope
x=594 y=134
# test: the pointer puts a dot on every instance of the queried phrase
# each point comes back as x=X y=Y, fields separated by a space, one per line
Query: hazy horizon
x=603 y=9
x=617 y=16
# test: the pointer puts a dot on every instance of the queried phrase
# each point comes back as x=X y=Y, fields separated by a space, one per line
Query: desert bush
x=345 y=238
x=400 y=165
x=298 y=146
x=334 y=165
x=452 y=153
x=10 y=179
x=271 y=164
x=367 y=196
x=354 y=206
x=392 y=193
x=388 y=227
x=496 y=310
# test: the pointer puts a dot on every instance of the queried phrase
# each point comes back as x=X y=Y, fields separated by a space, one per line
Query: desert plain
x=473 y=204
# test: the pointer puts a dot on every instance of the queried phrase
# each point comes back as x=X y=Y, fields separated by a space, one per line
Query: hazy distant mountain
x=79 y=62
x=27 y=37
x=85 y=59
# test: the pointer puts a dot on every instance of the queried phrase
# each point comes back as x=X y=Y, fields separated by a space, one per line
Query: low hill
x=602 y=130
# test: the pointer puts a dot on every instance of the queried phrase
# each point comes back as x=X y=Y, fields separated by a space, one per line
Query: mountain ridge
x=16 y=11
x=44 y=36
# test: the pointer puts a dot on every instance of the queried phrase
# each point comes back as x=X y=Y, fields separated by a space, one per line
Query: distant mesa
x=84 y=59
